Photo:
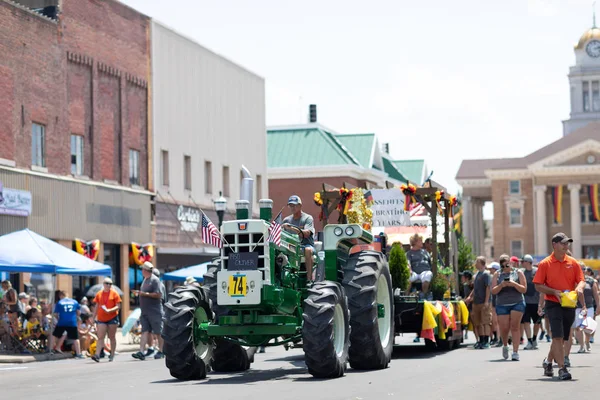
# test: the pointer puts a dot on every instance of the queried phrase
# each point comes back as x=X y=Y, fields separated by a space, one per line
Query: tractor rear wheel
x=368 y=285
x=227 y=356
x=326 y=330
x=187 y=357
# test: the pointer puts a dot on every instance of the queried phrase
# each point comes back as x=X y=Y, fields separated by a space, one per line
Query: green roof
x=306 y=147
x=392 y=171
x=361 y=145
x=412 y=169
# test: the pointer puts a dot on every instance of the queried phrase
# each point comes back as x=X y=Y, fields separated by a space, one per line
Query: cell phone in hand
x=506 y=279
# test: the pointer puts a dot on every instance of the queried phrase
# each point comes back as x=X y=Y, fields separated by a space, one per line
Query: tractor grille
x=245 y=243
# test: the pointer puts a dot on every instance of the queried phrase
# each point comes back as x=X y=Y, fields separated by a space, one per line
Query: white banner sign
x=15 y=202
x=388 y=208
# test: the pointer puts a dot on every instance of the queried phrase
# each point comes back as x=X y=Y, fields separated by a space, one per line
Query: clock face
x=593 y=48
x=591 y=159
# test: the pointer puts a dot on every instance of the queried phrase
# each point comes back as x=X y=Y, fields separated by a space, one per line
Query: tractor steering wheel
x=297 y=230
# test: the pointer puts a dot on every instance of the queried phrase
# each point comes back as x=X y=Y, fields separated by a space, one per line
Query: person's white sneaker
x=529 y=346
x=535 y=346
x=581 y=350
x=588 y=347
x=515 y=356
x=505 y=352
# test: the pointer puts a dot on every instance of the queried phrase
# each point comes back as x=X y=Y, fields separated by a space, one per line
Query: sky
x=437 y=80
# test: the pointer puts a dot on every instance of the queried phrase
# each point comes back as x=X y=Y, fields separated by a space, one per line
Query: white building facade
x=208 y=122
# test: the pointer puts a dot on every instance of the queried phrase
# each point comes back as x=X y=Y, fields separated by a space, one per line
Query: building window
x=516 y=248
x=586 y=97
x=258 y=187
x=187 y=172
x=76 y=155
x=595 y=96
x=514 y=187
x=134 y=167
x=226 y=181
x=164 y=167
x=515 y=216
x=207 y=177
x=38 y=145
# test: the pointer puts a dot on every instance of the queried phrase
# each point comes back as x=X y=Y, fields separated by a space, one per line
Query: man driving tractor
x=303 y=225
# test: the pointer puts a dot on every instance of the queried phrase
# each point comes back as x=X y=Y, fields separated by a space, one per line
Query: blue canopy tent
x=26 y=251
x=197 y=271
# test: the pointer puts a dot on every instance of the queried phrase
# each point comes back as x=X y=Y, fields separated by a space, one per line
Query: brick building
x=553 y=189
x=74 y=127
x=301 y=158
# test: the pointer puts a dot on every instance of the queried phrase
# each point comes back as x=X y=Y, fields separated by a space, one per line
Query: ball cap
x=294 y=200
x=495 y=265
x=514 y=259
x=108 y=280
x=147 y=265
x=527 y=258
x=561 y=238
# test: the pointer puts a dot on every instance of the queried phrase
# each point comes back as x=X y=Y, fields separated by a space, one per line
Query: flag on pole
x=210 y=234
x=275 y=230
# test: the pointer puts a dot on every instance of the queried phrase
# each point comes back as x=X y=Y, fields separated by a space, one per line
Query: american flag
x=210 y=234
x=275 y=230
x=417 y=209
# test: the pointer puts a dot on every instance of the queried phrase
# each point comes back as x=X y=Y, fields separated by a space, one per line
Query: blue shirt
x=67 y=312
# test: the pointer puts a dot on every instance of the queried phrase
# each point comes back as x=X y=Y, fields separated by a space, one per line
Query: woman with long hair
x=509 y=284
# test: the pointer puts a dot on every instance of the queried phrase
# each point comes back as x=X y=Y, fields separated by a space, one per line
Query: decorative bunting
x=408 y=190
x=557 y=193
x=140 y=253
x=594 y=203
x=88 y=249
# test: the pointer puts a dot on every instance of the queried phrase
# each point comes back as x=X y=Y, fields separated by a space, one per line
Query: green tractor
x=256 y=294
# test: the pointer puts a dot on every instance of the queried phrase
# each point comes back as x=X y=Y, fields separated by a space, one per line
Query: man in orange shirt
x=556 y=274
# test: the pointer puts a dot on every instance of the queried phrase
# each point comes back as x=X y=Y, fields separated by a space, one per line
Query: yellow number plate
x=237 y=285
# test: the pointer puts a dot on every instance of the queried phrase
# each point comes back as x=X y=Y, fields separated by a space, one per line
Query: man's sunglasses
x=109 y=284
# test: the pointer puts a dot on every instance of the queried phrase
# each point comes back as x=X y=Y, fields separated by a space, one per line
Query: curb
x=24 y=359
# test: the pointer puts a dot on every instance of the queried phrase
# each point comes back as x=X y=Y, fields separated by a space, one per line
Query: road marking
x=9 y=368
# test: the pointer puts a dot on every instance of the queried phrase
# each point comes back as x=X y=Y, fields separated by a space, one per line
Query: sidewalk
x=123 y=346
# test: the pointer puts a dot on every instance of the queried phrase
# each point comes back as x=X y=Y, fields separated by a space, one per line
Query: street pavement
x=462 y=374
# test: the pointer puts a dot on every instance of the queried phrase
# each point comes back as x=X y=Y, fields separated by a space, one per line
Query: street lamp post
x=220 y=207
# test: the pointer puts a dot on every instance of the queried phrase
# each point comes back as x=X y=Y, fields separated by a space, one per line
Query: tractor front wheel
x=326 y=330
x=187 y=357
x=368 y=284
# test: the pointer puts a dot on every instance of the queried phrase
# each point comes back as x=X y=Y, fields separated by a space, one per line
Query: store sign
x=15 y=202
x=388 y=208
x=189 y=218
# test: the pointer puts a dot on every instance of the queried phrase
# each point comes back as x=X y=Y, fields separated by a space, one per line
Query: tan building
x=550 y=190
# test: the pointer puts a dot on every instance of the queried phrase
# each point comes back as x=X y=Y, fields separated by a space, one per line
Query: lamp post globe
x=220 y=207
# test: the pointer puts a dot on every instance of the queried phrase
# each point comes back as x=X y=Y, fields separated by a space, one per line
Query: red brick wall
x=503 y=232
x=85 y=74
x=281 y=189
x=31 y=83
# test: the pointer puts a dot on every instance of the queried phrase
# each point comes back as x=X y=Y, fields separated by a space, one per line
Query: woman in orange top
x=106 y=314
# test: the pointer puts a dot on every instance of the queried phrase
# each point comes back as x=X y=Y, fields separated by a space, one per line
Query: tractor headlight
x=349 y=231
x=252 y=285
x=338 y=231
x=223 y=285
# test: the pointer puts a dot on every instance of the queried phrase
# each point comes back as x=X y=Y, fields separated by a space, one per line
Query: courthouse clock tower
x=584 y=81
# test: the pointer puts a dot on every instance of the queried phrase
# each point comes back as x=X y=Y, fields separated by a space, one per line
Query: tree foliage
x=399 y=267
x=466 y=257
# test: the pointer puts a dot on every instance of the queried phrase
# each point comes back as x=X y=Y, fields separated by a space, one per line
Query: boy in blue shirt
x=66 y=311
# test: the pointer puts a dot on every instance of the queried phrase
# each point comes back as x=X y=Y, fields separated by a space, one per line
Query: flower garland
x=317 y=199
x=346 y=200
x=439 y=195
x=360 y=213
x=453 y=202
x=409 y=191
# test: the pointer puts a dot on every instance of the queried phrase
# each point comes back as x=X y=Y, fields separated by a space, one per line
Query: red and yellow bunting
x=140 y=253
x=408 y=190
x=557 y=193
x=594 y=201
x=88 y=249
